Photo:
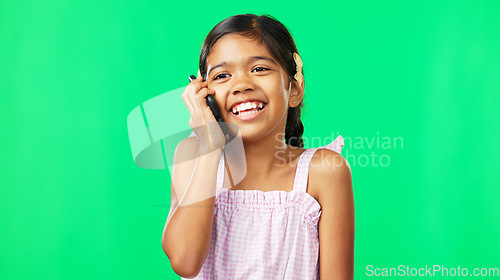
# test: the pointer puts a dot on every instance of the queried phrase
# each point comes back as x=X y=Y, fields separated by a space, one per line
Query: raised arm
x=188 y=231
x=187 y=234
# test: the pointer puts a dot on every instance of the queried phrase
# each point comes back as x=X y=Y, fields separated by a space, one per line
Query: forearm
x=187 y=235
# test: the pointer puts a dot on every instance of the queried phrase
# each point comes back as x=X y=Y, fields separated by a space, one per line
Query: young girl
x=292 y=214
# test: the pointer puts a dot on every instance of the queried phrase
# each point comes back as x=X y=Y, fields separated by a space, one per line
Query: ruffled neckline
x=258 y=200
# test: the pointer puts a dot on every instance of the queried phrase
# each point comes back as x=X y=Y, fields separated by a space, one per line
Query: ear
x=296 y=94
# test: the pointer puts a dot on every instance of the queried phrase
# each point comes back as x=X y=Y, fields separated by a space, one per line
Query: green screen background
x=74 y=205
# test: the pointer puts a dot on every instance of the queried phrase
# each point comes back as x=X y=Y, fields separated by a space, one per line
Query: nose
x=242 y=84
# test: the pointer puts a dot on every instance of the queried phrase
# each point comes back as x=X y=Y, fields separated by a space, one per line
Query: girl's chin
x=252 y=134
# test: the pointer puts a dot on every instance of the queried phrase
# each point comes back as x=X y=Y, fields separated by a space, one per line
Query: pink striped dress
x=266 y=235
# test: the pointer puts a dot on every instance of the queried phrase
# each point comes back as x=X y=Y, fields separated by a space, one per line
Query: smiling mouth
x=249 y=108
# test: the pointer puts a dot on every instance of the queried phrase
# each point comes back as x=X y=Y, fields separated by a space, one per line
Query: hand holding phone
x=215 y=109
x=211 y=103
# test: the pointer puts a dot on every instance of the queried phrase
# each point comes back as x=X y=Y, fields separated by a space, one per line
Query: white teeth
x=247 y=106
x=247 y=113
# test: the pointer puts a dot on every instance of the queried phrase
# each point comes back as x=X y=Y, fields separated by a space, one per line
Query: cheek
x=283 y=93
x=220 y=94
x=284 y=97
x=220 y=89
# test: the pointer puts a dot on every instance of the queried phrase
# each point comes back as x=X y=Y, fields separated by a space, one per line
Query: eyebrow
x=252 y=58
x=216 y=66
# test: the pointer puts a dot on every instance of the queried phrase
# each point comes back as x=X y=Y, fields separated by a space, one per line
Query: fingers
x=191 y=90
x=202 y=103
x=187 y=102
x=197 y=84
x=202 y=94
x=194 y=96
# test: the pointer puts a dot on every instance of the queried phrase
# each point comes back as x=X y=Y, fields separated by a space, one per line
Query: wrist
x=207 y=148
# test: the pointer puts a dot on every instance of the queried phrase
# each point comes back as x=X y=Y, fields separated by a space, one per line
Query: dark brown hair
x=274 y=35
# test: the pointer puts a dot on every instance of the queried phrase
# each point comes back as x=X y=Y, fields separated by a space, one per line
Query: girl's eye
x=221 y=76
x=259 y=69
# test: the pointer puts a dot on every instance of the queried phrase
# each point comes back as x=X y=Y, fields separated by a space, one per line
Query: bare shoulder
x=329 y=173
x=331 y=177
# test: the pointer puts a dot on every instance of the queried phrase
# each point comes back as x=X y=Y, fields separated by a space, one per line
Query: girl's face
x=241 y=69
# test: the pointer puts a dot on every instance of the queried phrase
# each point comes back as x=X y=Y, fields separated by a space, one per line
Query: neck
x=265 y=156
x=262 y=157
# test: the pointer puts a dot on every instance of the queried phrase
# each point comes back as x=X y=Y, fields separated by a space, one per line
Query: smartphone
x=215 y=109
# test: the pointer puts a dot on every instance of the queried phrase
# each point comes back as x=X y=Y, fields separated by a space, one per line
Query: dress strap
x=220 y=172
x=302 y=171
